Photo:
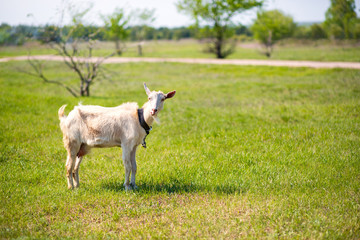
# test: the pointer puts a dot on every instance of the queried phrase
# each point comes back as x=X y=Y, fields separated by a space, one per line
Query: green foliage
x=243 y=30
x=78 y=30
x=4 y=33
x=317 y=31
x=78 y=13
x=117 y=23
x=302 y=32
x=50 y=33
x=355 y=30
x=242 y=152
x=55 y=34
x=182 y=33
x=142 y=18
x=341 y=20
x=16 y=35
x=217 y=16
x=216 y=11
x=13 y=35
x=271 y=26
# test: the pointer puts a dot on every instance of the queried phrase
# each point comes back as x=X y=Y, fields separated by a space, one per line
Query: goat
x=124 y=126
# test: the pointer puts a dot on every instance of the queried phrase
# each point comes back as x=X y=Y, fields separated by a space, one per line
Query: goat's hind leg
x=84 y=149
x=70 y=162
x=72 y=149
x=76 y=171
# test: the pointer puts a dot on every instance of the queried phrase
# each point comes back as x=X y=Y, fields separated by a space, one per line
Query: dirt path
x=243 y=62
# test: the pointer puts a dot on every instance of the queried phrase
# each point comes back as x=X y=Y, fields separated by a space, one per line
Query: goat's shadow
x=177 y=187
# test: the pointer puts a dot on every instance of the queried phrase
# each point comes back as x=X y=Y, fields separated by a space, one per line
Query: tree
x=143 y=17
x=76 y=48
x=341 y=18
x=217 y=15
x=271 y=26
x=117 y=24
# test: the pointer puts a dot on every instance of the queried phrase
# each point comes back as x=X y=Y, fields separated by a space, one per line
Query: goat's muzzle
x=153 y=112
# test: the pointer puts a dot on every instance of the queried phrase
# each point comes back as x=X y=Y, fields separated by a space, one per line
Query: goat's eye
x=162 y=99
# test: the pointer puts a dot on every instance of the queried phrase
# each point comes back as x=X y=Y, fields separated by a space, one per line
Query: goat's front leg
x=127 y=164
x=133 y=168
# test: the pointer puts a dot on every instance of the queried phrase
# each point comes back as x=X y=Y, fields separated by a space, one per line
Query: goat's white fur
x=89 y=127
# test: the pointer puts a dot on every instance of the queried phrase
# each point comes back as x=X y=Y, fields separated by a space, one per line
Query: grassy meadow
x=241 y=152
x=321 y=50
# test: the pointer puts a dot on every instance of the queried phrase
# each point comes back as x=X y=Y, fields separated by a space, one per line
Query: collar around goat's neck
x=148 y=118
x=142 y=121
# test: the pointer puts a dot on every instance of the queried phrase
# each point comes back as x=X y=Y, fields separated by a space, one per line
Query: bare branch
x=38 y=67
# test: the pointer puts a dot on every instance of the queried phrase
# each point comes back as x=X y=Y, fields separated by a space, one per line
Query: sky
x=41 y=12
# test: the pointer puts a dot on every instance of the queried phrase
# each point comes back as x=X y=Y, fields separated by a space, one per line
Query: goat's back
x=89 y=123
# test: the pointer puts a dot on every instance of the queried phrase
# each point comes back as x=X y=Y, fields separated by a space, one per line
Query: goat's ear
x=170 y=94
x=147 y=90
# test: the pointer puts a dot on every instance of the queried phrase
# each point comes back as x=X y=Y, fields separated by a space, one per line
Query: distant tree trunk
x=221 y=46
x=85 y=88
x=218 y=47
x=268 y=45
x=140 y=49
x=219 y=41
x=117 y=46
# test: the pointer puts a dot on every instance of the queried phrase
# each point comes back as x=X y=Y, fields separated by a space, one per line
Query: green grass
x=316 y=50
x=241 y=152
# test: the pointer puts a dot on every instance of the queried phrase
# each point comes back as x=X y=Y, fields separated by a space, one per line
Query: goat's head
x=156 y=99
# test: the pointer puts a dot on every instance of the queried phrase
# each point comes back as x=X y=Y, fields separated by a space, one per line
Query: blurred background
x=127 y=22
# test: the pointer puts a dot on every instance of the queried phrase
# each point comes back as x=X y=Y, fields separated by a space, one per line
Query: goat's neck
x=149 y=119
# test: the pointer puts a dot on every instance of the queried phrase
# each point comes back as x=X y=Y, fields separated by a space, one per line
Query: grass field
x=316 y=50
x=241 y=152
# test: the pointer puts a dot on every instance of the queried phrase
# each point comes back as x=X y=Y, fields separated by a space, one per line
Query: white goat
x=124 y=126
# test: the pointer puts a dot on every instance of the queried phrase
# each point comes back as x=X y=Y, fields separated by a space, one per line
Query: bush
x=317 y=32
x=302 y=32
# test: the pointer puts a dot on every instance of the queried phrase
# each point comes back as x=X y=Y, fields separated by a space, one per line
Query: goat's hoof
x=127 y=187
x=76 y=184
x=70 y=187
x=133 y=186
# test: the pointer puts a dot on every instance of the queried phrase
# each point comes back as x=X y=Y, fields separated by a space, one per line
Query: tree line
x=341 y=23
x=19 y=34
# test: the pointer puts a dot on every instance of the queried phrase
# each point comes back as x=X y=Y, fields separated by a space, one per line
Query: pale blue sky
x=47 y=11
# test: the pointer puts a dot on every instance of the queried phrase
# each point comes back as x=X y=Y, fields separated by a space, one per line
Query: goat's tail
x=61 y=112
